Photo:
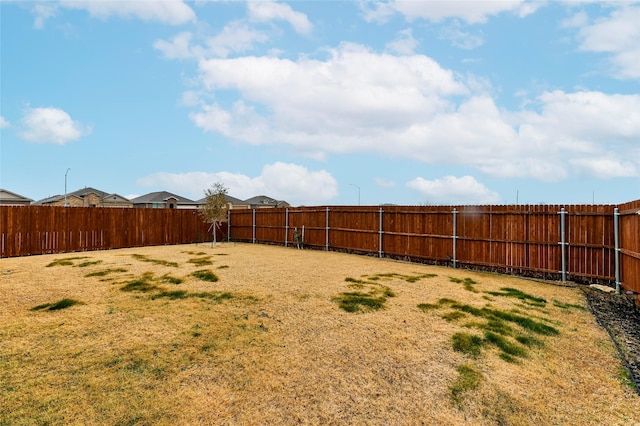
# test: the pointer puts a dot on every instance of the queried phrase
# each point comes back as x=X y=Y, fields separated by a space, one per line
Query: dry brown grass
x=277 y=349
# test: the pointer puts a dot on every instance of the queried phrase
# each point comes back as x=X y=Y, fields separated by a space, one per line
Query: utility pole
x=65 y=186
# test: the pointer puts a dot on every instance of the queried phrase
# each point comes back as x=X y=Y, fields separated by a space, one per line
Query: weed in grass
x=205 y=275
x=143 y=258
x=467 y=343
x=561 y=305
x=89 y=263
x=105 y=272
x=468 y=380
x=201 y=261
x=223 y=266
x=466 y=282
x=359 y=302
x=453 y=316
x=67 y=261
x=171 y=295
x=180 y=294
x=625 y=378
x=195 y=253
x=517 y=294
x=142 y=285
x=428 y=306
x=60 y=304
x=408 y=278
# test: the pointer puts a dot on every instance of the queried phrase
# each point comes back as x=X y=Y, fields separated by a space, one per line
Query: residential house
x=262 y=201
x=86 y=197
x=8 y=198
x=163 y=200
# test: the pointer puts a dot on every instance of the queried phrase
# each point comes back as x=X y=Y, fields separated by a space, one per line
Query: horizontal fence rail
x=583 y=243
x=571 y=242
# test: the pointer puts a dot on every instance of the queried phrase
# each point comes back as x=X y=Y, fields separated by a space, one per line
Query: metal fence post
x=327 y=230
x=286 y=227
x=563 y=244
x=455 y=236
x=254 y=226
x=380 y=232
x=616 y=254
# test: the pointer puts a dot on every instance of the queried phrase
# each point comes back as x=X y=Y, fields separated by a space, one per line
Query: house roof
x=228 y=198
x=263 y=200
x=86 y=191
x=6 y=195
x=50 y=199
x=160 y=197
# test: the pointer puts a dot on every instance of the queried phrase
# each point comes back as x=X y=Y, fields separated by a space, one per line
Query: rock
x=603 y=288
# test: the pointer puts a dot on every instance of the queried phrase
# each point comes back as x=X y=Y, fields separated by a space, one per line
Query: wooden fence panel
x=29 y=230
x=630 y=247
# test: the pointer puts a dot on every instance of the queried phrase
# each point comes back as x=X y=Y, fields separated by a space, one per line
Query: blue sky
x=324 y=102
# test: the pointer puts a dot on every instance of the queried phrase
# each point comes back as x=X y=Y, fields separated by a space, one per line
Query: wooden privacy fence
x=29 y=230
x=584 y=243
x=598 y=243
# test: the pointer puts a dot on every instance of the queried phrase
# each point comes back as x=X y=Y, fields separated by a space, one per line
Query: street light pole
x=353 y=184
x=65 y=186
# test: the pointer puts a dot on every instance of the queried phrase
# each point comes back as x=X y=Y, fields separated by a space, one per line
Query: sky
x=323 y=102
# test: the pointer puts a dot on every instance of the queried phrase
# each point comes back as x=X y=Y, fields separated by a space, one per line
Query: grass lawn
x=250 y=334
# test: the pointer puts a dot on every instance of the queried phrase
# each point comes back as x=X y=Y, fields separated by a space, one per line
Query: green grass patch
x=625 y=377
x=467 y=343
x=453 y=316
x=360 y=302
x=205 y=275
x=530 y=341
x=523 y=321
x=66 y=261
x=60 y=304
x=143 y=258
x=166 y=278
x=517 y=294
x=201 y=261
x=105 y=272
x=505 y=345
x=89 y=263
x=143 y=284
x=468 y=380
x=180 y=294
x=561 y=305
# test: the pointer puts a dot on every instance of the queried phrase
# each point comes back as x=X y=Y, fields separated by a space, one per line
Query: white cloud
x=51 y=125
x=454 y=190
x=172 y=12
x=4 y=123
x=606 y=168
x=472 y=12
x=616 y=35
x=460 y=38
x=42 y=12
x=408 y=106
x=289 y=182
x=235 y=37
x=177 y=48
x=265 y=11
x=405 y=44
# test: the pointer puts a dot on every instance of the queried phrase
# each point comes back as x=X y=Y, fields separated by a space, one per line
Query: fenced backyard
x=583 y=243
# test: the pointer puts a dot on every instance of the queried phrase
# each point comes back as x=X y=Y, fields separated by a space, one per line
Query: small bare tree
x=214 y=211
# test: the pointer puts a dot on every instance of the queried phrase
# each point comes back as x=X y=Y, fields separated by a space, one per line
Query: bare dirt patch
x=285 y=336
